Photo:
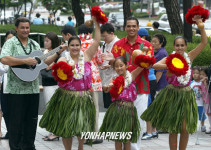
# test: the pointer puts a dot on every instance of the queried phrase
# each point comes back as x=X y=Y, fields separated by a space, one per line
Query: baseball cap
x=143 y=32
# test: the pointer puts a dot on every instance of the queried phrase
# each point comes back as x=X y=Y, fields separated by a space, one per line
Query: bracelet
x=58 y=53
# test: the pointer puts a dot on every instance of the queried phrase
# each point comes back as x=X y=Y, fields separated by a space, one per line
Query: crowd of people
x=54 y=20
x=149 y=100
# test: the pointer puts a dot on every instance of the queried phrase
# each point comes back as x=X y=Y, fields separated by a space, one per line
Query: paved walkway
x=155 y=144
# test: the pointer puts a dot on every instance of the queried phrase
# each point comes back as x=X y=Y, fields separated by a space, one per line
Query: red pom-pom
x=144 y=61
x=62 y=72
x=196 y=10
x=174 y=69
x=118 y=85
x=99 y=14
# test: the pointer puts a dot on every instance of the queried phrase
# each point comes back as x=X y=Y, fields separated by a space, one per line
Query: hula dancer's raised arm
x=90 y=52
x=195 y=52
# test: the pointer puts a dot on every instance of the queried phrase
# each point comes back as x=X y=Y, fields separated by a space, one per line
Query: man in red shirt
x=125 y=47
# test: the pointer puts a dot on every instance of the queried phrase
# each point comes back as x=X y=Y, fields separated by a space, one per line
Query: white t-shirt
x=108 y=73
x=196 y=86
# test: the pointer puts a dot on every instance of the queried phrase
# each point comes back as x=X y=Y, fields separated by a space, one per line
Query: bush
x=202 y=60
x=141 y=15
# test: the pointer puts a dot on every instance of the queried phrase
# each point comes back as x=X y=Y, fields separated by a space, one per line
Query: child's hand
x=204 y=79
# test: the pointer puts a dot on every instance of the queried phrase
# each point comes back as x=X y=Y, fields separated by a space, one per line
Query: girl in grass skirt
x=175 y=109
x=71 y=109
x=121 y=115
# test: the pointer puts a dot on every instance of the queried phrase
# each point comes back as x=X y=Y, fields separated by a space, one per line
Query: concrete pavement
x=154 y=144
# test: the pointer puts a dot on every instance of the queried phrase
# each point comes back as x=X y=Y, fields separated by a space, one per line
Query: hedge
x=202 y=60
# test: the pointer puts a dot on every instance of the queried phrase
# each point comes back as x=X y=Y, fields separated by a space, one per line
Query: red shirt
x=124 y=48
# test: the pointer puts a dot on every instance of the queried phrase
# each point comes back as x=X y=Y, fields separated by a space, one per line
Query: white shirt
x=108 y=73
x=196 y=86
x=3 y=71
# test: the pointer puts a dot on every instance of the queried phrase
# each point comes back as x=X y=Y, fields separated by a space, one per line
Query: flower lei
x=77 y=73
x=118 y=84
x=196 y=10
x=184 y=79
x=99 y=14
x=84 y=37
x=62 y=72
x=128 y=79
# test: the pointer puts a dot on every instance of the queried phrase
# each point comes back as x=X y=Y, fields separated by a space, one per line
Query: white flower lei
x=77 y=73
x=128 y=79
x=184 y=79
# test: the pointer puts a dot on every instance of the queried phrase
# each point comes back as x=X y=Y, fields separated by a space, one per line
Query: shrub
x=202 y=60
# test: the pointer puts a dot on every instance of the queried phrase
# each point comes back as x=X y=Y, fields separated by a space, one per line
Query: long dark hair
x=180 y=37
x=74 y=38
x=123 y=59
x=54 y=39
x=161 y=38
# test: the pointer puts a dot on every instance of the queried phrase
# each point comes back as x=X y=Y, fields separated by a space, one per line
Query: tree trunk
x=79 y=15
x=153 y=9
x=141 y=5
x=126 y=8
x=173 y=13
x=187 y=27
x=30 y=12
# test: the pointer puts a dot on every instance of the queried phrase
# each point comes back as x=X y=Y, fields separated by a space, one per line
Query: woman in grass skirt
x=174 y=109
x=121 y=115
x=71 y=109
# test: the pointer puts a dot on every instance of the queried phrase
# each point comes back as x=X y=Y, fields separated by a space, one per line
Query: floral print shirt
x=125 y=49
x=81 y=84
x=128 y=94
x=96 y=60
x=16 y=86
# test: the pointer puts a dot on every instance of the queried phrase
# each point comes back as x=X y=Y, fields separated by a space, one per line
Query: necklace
x=24 y=49
x=77 y=73
x=128 y=79
x=184 y=79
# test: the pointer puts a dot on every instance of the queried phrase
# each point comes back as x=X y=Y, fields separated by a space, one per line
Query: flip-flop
x=53 y=139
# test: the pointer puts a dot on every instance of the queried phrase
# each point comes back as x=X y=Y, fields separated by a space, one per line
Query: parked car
x=163 y=21
x=117 y=20
x=118 y=6
x=106 y=6
x=207 y=27
x=160 y=29
x=161 y=10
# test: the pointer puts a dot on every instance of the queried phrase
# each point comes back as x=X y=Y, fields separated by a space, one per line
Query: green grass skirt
x=122 y=117
x=171 y=107
x=69 y=113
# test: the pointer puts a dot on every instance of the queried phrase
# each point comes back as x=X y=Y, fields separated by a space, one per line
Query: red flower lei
x=118 y=85
x=173 y=69
x=144 y=61
x=99 y=14
x=196 y=10
x=65 y=69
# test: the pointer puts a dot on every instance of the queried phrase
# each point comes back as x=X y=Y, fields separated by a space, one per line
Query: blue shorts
x=201 y=112
x=149 y=100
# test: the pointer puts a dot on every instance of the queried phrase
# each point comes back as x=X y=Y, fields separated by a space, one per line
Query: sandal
x=56 y=138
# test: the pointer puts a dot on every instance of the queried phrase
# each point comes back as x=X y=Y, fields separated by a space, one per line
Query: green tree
x=55 y=5
x=173 y=13
x=126 y=10
x=79 y=15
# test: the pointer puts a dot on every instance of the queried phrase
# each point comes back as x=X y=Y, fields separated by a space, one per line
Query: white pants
x=95 y=99
x=45 y=97
x=141 y=105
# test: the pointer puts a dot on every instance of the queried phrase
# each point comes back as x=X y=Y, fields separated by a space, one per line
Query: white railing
x=38 y=37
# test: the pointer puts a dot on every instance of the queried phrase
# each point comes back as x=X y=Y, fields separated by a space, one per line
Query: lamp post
x=25 y=8
x=4 y=12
